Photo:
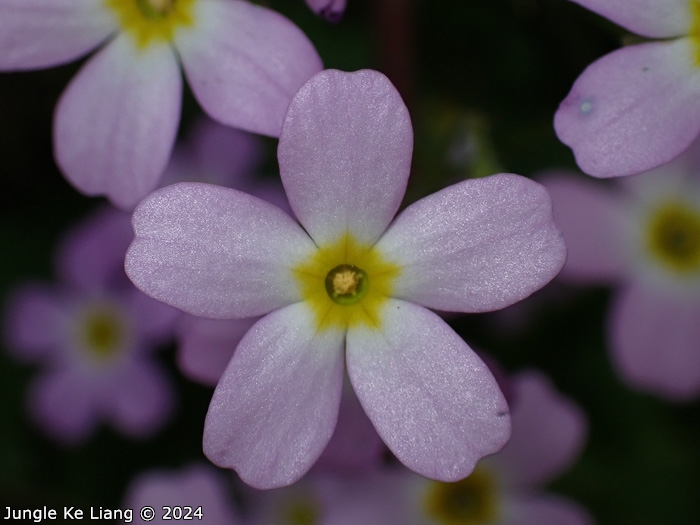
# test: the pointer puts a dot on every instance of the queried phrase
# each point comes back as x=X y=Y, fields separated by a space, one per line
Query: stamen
x=346 y=284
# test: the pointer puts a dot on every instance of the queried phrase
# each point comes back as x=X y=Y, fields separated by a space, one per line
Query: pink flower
x=549 y=432
x=348 y=285
x=331 y=10
x=643 y=236
x=116 y=123
x=638 y=107
x=196 y=494
x=94 y=334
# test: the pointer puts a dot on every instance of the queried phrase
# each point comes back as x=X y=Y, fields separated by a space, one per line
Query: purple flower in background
x=199 y=491
x=116 y=123
x=643 y=236
x=93 y=334
x=639 y=106
x=548 y=435
x=350 y=285
x=331 y=10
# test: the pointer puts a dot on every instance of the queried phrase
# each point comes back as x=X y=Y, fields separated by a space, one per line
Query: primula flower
x=115 y=124
x=346 y=285
x=639 y=106
x=643 y=236
x=331 y=10
x=94 y=334
x=549 y=432
x=196 y=493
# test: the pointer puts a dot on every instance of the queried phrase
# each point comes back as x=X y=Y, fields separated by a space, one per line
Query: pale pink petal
x=34 y=322
x=116 y=122
x=652 y=18
x=205 y=346
x=476 y=246
x=549 y=432
x=215 y=252
x=61 y=403
x=140 y=400
x=276 y=405
x=197 y=486
x=430 y=397
x=591 y=216
x=91 y=255
x=633 y=109
x=544 y=509
x=654 y=339
x=244 y=63
x=345 y=154
x=331 y=10
x=43 y=33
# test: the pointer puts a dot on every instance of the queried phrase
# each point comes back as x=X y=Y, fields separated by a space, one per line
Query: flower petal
x=205 y=346
x=43 y=33
x=591 y=217
x=331 y=10
x=654 y=339
x=345 y=154
x=476 y=246
x=432 y=400
x=646 y=17
x=116 y=122
x=276 y=405
x=544 y=509
x=633 y=109
x=215 y=252
x=549 y=432
x=244 y=63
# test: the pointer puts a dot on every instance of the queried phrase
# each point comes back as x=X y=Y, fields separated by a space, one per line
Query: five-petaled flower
x=348 y=285
x=116 y=123
x=638 y=107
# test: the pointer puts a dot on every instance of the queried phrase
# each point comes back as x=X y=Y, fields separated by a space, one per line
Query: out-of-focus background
x=482 y=79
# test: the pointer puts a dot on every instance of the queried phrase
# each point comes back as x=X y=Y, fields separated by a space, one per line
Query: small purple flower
x=93 y=333
x=348 y=285
x=639 y=106
x=116 y=123
x=331 y=10
x=643 y=236
x=196 y=494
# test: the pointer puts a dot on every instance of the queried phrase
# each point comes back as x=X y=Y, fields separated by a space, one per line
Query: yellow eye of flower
x=471 y=501
x=673 y=237
x=346 y=284
x=102 y=334
x=151 y=21
x=694 y=32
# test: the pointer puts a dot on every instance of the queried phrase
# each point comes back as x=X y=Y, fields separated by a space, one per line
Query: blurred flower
x=348 y=279
x=94 y=333
x=644 y=236
x=116 y=123
x=548 y=435
x=331 y=10
x=639 y=106
x=197 y=493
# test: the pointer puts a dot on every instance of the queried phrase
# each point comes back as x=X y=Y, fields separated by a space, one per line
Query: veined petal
x=650 y=18
x=634 y=109
x=116 y=122
x=245 y=63
x=432 y=400
x=215 y=252
x=476 y=246
x=276 y=405
x=43 y=33
x=591 y=218
x=345 y=154
x=654 y=339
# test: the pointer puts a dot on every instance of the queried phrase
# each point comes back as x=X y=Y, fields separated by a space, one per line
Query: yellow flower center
x=346 y=284
x=150 y=21
x=301 y=513
x=673 y=237
x=471 y=501
x=694 y=32
x=102 y=333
